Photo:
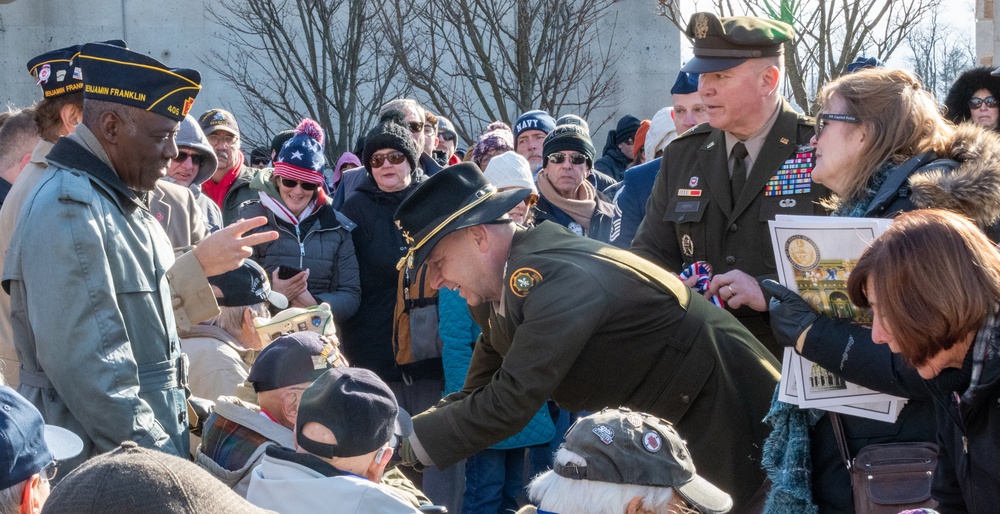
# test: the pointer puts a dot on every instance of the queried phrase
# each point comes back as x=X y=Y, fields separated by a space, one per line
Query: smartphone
x=287 y=272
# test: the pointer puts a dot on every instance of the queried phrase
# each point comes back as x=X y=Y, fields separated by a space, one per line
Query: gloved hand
x=408 y=457
x=199 y=409
x=791 y=316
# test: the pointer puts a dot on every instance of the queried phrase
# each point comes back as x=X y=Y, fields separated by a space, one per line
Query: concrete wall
x=179 y=33
x=987 y=44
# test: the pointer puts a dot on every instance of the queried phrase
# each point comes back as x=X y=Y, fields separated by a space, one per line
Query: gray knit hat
x=391 y=132
x=131 y=479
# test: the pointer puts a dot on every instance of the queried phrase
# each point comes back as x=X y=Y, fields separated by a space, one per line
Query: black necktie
x=739 y=178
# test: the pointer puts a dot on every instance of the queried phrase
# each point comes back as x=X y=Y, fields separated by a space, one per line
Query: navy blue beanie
x=862 y=62
x=533 y=120
x=628 y=125
x=686 y=84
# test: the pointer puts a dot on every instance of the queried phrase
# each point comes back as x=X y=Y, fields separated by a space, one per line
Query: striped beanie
x=301 y=157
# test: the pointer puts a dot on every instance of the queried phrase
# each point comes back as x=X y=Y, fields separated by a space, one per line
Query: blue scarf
x=857 y=207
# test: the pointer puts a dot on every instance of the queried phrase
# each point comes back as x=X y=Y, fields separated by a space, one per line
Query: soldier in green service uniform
x=721 y=182
x=583 y=323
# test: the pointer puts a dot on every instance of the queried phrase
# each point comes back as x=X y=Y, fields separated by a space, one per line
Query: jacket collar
x=306 y=460
x=71 y=154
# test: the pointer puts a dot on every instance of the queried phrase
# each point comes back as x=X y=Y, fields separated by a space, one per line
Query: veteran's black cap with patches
x=58 y=72
x=119 y=75
x=454 y=198
x=724 y=43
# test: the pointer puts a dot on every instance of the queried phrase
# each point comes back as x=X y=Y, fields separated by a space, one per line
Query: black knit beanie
x=391 y=132
x=568 y=137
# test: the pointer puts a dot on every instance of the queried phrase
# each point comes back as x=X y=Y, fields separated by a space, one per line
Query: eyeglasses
x=630 y=141
x=196 y=157
x=430 y=129
x=306 y=186
x=393 y=158
x=990 y=102
x=824 y=117
x=49 y=472
x=229 y=139
x=447 y=136
x=559 y=157
x=416 y=126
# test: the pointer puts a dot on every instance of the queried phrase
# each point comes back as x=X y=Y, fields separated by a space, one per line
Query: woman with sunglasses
x=391 y=159
x=883 y=148
x=975 y=97
x=313 y=259
x=567 y=197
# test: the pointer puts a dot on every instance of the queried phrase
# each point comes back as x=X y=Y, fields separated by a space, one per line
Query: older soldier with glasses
x=229 y=186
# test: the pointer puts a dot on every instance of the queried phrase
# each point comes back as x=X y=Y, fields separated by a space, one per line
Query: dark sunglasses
x=989 y=101
x=558 y=158
x=630 y=141
x=196 y=157
x=392 y=157
x=306 y=186
x=824 y=117
x=416 y=126
x=447 y=136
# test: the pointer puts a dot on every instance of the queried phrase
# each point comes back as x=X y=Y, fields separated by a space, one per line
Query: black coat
x=367 y=336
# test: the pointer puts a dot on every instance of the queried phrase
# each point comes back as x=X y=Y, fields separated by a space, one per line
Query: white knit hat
x=661 y=132
x=510 y=169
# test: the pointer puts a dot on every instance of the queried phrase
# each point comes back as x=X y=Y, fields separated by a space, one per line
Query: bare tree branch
x=287 y=59
x=484 y=60
x=830 y=34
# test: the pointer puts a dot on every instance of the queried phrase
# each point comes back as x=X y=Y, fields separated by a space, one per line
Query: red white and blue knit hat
x=301 y=157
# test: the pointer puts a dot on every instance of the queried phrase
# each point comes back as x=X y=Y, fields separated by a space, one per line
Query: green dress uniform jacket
x=690 y=215
x=91 y=308
x=592 y=326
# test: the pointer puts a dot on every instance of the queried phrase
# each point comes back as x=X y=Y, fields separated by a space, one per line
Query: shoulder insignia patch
x=523 y=280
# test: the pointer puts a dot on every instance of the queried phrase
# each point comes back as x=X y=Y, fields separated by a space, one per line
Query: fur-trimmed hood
x=970 y=81
x=971 y=189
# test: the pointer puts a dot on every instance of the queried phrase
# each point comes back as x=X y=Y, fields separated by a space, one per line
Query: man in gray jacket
x=88 y=266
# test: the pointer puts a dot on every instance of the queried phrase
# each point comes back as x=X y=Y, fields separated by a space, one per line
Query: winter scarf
x=857 y=207
x=786 y=458
x=580 y=208
x=217 y=191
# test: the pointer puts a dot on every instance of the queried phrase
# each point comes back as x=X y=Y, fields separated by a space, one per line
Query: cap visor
x=278 y=300
x=216 y=128
x=996 y=72
x=62 y=443
x=501 y=203
x=705 y=496
x=709 y=65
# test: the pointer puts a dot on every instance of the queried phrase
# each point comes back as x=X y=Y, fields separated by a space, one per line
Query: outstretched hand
x=225 y=249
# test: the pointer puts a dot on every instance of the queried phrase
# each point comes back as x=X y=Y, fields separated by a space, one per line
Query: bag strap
x=838 y=432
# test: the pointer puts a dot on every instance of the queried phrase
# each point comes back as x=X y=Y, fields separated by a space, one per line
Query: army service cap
x=58 y=73
x=724 y=43
x=119 y=75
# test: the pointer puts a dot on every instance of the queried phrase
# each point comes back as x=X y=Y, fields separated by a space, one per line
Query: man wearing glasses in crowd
x=447 y=142
x=230 y=185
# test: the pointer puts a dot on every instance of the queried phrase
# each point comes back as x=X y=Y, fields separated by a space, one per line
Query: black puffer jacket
x=367 y=337
x=965 y=180
x=322 y=244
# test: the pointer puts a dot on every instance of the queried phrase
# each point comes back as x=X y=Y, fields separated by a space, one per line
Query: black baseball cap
x=247 y=285
x=293 y=359
x=356 y=405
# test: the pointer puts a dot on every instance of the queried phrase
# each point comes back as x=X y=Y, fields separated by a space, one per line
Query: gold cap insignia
x=701 y=26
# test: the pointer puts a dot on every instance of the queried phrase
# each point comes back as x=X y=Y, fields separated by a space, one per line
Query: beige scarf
x=580 y=208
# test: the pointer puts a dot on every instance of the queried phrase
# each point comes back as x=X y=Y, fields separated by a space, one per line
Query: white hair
x=404 y=105
x=10 y=498
x=555 y=493
x=230 y=319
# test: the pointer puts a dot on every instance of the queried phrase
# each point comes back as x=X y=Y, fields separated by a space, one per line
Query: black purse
x=891 y=477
